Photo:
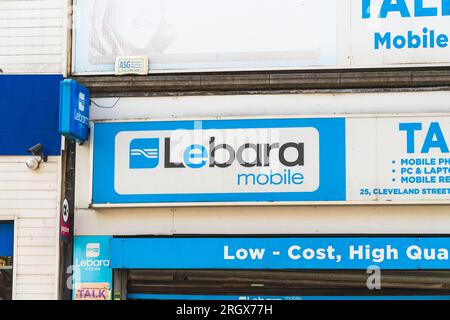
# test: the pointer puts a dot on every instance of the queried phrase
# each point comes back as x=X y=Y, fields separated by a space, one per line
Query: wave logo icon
x=92 y=250
x=144 y=153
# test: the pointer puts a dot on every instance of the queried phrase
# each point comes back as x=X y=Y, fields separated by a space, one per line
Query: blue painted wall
x=29 y=106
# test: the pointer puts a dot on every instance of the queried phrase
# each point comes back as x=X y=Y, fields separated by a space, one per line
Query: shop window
x=6 y=259
x=166 y=284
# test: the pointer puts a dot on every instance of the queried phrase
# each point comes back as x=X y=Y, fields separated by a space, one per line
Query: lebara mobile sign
x=74 y=110
x=219 y=161
x=92 y=275
x=281 y=34
x=277 y=160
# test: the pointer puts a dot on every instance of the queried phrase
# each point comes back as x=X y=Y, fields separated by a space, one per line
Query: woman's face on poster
x=136 y=21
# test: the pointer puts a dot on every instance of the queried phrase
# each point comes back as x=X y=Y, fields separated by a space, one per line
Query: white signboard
x=282 y=160
x=205 y=34
x=398 y=159
x=201 y=35
x=257 y=160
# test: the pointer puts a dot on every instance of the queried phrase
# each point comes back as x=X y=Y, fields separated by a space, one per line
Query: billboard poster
x=205 y=34
x=385 y=32
x=210 y=35
x=92 y=275
x=336 y=160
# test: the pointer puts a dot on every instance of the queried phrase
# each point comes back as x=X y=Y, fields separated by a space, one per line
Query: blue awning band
x=399 y=253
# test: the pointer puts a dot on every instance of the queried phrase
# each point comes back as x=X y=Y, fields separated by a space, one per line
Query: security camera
x=33 y=163
x=38 y=150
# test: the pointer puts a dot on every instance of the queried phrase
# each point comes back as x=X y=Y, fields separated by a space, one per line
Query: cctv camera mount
x=38 y=151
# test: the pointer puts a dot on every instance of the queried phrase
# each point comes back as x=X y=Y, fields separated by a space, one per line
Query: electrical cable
x=105 y=107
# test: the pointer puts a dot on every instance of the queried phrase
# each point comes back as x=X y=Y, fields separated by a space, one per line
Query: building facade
x=33 y=37
x=250 y=164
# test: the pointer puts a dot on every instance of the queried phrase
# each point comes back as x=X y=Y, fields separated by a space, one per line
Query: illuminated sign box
x=74 y=110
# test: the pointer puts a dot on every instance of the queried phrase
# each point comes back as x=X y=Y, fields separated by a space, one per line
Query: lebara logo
x=81 y=101
x=92 y=250
x=144 y=153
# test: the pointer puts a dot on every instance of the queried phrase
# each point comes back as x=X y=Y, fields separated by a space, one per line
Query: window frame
x=12 y=267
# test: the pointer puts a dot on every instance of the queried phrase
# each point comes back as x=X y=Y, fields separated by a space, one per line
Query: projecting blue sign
x=280 y=253
x=74 y=110
x=239 y=160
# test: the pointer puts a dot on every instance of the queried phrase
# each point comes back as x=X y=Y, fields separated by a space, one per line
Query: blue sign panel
x=30 y=106
x=242 y=160
x=74 y=110
x=92 y=276
x=6 y=239
x=280 y=253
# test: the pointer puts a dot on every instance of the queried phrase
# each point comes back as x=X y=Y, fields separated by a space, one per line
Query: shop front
x=239 y=161
x=263 y=268
x=263 y=207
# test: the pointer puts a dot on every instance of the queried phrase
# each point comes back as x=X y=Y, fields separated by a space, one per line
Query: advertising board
x=209 y=35
x=334 y=160
x=92 y=275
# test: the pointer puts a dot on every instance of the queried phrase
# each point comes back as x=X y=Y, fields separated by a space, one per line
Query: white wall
x=265 y=220
x=33 y=40
x=31 y=199
x=32 y=36
x=350 y=102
